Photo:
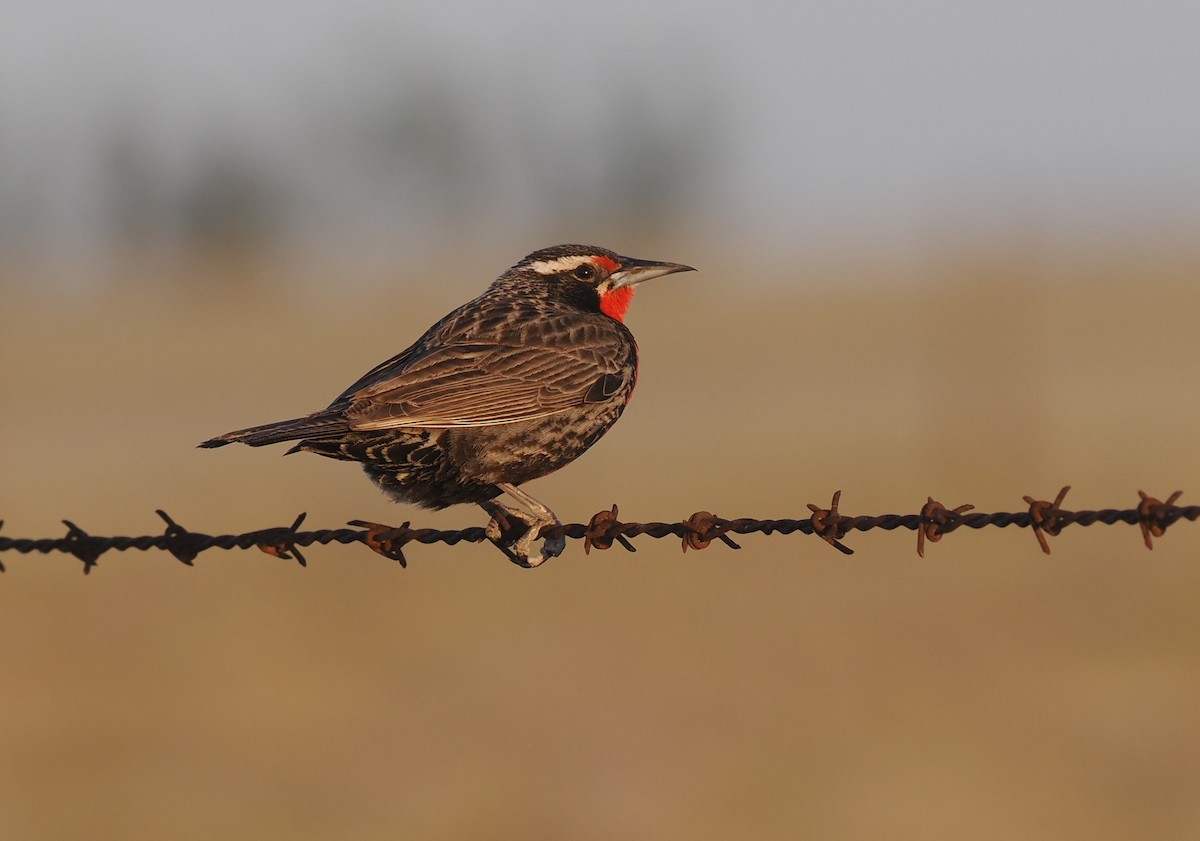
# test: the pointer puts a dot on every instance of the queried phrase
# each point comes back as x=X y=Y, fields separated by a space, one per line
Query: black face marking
x=576 y=294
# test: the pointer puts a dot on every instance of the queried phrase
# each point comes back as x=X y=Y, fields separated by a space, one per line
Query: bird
x=510 y=386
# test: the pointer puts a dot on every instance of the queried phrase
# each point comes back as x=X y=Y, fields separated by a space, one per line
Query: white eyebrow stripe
x=562 y=264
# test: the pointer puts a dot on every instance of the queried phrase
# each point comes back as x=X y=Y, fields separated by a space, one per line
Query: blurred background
x=944 y=249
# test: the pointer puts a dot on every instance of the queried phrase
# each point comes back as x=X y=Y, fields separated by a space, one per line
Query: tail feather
x=320 y=425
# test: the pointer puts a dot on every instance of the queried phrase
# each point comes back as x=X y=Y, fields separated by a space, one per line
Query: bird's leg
x=536 y=517
x=552 y=546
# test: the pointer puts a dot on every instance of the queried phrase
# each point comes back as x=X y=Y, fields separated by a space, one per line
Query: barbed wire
x=935 y=521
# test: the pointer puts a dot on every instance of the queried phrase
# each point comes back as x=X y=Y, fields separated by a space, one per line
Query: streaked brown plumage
x=508 y=387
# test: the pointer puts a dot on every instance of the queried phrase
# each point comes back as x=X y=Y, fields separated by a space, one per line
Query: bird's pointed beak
x=633 y=271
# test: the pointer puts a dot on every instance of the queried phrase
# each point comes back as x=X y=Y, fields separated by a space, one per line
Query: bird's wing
x=483 y=385
x=384 y=371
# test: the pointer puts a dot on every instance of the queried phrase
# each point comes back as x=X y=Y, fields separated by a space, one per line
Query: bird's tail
x=327 y=424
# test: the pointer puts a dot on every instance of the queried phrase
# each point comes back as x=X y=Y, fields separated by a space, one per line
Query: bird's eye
x=585 y=271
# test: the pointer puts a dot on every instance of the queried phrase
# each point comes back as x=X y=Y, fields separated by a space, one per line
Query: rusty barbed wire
x=698 y=531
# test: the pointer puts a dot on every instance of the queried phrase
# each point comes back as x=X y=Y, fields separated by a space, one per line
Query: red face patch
x=607 y=263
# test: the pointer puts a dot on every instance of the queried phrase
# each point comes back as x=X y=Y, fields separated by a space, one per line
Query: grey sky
x=856 y=119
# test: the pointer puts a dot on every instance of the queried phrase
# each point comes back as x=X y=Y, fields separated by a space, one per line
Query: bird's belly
x=518 y=452
x=416 y=466
x=440 y=467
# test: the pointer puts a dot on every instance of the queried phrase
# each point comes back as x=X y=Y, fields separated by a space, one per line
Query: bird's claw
x=494 y=531
x=514 y=535
x=553 y=546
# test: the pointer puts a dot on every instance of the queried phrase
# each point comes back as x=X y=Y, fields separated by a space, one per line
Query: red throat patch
x=615 y=303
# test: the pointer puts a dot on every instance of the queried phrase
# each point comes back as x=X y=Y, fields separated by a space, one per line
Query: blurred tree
x=424 y=142
x=135 y=187
x=233 y=202
x=637 y=164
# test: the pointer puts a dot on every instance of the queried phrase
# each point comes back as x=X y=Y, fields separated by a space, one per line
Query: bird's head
x=611 y=277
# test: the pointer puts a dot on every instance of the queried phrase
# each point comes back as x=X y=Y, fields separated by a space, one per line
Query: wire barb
x=281 y=542
x=937 y=521
x=83 y=546
x=827 y=524
x=698 y=531
x=1048 y=518
x=702 y=528
x=386 y=540
x=179 y=541
x=603 y=530
x=1154 y=516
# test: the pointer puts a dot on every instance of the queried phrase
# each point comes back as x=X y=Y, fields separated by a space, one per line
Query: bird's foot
x=514 y=531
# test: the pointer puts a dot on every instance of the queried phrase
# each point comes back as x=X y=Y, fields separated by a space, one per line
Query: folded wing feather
x=484 y=385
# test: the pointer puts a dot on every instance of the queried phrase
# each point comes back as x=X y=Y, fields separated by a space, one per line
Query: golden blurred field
x=784 y=691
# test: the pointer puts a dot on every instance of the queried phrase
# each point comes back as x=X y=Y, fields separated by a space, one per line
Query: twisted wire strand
x=932 y=523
